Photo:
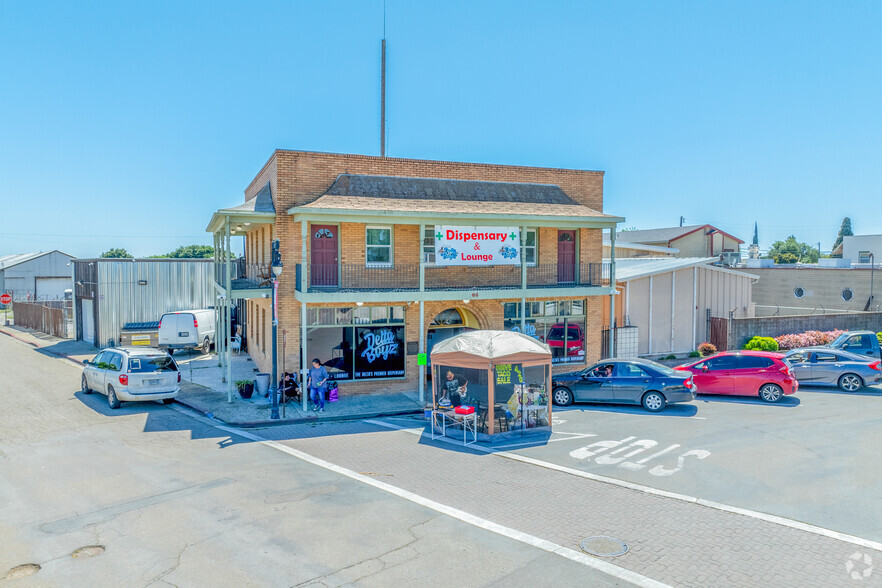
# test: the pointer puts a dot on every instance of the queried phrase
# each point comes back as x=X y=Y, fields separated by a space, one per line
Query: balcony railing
x=406 y=278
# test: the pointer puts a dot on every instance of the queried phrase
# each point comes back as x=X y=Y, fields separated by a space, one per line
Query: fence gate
x=719 y=333
x=604 y=343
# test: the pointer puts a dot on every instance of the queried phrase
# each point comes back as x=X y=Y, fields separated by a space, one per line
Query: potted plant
x=245 y=387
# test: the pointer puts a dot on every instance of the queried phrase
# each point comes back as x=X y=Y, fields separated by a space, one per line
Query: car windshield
x=662 y=369
x=840 y=339
x=557 y=333
x=156 y=363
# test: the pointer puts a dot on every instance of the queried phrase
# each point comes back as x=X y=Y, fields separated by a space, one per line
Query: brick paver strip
x=671 y=541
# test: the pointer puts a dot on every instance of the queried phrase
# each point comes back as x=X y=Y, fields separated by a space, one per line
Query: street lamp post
x=277 y=271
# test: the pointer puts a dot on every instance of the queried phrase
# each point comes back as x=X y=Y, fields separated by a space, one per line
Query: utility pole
x=383 y=99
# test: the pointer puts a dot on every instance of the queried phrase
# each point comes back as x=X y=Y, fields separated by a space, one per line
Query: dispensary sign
x=477 y=245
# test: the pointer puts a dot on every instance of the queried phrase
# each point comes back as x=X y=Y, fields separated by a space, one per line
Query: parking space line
x=487 y=525
x=769 y=518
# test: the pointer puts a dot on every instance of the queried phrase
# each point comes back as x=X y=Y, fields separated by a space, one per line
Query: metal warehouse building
x=36 y=276
x=109 y=293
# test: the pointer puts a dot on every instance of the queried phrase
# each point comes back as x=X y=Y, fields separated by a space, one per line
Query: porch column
x=673 y=306
x=612 y=291
x=422 y=344
x=303 y=288
x=694 y=301
x=216 y=283
x=523 y=280
x=228 y=318
x=491 y=400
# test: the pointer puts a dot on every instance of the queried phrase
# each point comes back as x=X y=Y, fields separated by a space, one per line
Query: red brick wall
x=297 y=178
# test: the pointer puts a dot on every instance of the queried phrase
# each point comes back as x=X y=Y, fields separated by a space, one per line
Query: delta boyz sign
x=477 y=245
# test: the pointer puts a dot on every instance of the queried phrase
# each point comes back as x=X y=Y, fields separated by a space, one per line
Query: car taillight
x=688 y=383
x=124 y=379
x=785 y=370
x=160 y=323
x=179 y=377
x=195 y=324
x=875 y=365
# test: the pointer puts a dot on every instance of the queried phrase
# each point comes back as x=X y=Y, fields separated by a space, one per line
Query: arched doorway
x=445 y=325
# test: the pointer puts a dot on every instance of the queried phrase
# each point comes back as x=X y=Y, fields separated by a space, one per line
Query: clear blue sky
x=127 y=124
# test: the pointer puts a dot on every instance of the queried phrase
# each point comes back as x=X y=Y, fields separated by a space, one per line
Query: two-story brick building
x=383 y=257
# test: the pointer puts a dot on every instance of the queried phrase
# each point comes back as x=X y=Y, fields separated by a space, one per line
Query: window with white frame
x=378 y=246
x=429 y=245
x=530 y=247
x=864 y=257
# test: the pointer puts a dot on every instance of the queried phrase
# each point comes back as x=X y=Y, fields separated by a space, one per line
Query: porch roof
x=257 y=210
x=432 y=200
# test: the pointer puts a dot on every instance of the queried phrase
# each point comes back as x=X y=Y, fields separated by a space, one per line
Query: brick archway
x=433 y=309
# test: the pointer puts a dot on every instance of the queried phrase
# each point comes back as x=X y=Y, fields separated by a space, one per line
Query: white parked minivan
x=127 y=374
x=187 y=329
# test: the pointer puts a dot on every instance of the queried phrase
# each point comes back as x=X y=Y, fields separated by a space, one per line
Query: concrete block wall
x=742 y=329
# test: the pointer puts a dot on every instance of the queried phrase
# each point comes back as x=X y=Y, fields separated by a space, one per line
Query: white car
x=127 y=374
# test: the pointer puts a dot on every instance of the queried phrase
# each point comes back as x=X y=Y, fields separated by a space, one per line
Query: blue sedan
x=624 y=381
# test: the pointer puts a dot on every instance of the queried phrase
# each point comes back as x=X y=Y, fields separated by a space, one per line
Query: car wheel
x=850 y=383
x=84 y=386
x=206 y=346
x=771 y=393
x=653 y=401
x=562 y=397
x=112 y=399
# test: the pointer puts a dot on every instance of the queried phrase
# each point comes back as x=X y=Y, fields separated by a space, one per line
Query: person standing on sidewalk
x=318 y=381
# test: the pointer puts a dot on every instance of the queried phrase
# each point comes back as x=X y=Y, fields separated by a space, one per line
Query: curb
x=298 y=421
x=251 y=424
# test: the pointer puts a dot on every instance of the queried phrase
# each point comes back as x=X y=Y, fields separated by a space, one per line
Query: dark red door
x=324 y=255
x=566 y=257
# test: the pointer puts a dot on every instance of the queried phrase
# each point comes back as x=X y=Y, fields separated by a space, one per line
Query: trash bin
x=262 y=384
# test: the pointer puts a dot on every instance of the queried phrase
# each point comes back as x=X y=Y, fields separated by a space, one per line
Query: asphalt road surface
x=147 y=496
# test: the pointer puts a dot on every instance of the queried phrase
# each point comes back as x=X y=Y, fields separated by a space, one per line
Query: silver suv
x=131 y=374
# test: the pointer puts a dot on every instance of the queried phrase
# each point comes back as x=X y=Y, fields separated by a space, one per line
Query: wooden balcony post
x=524 y=279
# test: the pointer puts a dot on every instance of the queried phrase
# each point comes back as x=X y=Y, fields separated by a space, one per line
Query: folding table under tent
x=508 y=381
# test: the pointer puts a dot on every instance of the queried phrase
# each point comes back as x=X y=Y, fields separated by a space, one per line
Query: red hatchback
x=744 y=373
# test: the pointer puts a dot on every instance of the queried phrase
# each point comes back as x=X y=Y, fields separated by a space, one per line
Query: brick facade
x=297 y=178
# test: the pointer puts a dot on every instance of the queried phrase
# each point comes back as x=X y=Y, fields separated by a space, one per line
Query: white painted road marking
x=769 y=518
x=531 y=540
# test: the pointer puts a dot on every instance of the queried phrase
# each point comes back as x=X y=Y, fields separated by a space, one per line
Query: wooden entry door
x=566 y=257
x=324 y=255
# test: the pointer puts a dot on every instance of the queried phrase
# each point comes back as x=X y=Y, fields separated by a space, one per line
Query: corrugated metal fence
x=40 y=318
x=143 y=290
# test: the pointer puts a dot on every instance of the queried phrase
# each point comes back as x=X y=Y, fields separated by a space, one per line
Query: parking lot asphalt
x=813 y=457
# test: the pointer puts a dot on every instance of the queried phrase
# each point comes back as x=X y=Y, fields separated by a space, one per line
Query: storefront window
x=333 y=348
x=559 y=324
x=358 y=352
x=379 y=353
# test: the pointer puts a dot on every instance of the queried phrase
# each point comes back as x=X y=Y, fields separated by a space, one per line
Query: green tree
x=192 y=252
x=118 y=253
x=844 y=231
x=791 y=251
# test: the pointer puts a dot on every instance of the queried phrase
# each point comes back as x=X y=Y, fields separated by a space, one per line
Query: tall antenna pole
x=383 y=100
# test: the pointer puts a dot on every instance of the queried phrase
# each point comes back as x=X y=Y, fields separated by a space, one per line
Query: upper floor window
x=864 y=257
x=378 y=246
x=429 y=245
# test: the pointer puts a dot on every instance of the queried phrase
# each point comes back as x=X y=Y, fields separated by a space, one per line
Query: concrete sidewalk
x=204 y=390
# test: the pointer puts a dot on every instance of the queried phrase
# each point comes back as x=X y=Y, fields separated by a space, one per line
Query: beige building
x=690 y=241
x=625 y=250
x=814 y=290
x=669 y=300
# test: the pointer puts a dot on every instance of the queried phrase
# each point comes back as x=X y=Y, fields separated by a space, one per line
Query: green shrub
x=694 y=354
x=671 y=356
x=879 y=336
x=762 y=344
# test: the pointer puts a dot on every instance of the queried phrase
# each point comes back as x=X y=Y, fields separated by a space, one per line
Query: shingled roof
x=378 y=194
x=446 y=189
